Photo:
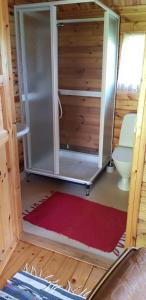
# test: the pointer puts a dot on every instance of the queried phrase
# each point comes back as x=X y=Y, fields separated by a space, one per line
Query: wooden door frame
x=8 y=134
x=137 y=165
x=6 y=80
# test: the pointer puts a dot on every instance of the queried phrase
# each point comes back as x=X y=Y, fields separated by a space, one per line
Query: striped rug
x=25 y=286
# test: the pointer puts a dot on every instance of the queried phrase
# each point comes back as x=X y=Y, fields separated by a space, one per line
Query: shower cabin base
x=76 y=167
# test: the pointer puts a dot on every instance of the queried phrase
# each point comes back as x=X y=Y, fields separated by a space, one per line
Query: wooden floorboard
x=44 y=262
x=66 y=250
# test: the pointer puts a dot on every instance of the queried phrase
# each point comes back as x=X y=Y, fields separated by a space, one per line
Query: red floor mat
x=95 y=225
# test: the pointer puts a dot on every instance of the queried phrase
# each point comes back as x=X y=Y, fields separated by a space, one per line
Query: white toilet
x=122 y=155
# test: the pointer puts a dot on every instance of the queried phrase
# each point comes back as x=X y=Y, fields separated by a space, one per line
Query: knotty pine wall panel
x=125 y=103
x=79 y=125
x=80 y=68
x=80 y=56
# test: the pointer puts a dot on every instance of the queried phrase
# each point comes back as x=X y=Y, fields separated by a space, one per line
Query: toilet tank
x=127 y=134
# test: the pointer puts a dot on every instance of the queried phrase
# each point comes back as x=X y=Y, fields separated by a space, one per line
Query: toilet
x=122 y=155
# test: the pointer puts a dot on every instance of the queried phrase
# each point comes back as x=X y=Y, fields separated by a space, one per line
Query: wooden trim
x=12 y=197
x=66 y=250
x=137 y=164
x=10 y=119
x=3 y=137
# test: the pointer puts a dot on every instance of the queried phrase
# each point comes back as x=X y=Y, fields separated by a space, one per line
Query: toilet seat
x=123 y=154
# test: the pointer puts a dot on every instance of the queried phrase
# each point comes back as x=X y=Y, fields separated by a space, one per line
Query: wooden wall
x=125 y=103
x=80 y=68
x=80 y=56
x=79 y=126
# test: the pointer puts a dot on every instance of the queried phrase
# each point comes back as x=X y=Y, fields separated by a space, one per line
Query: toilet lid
x=123 y=154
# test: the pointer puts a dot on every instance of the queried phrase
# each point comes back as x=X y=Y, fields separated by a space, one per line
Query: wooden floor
x=80 y=274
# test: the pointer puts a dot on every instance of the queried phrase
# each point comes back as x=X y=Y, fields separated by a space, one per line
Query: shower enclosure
x=47 y=149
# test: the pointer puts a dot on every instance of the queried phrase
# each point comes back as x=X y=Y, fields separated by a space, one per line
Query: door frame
x=8 y=142
x=137 y=164
x=138 y=154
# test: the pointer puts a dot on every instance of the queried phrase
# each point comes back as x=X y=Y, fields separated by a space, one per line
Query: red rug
x=92 y=224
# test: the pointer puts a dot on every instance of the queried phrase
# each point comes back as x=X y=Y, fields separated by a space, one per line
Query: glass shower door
x=39 y=95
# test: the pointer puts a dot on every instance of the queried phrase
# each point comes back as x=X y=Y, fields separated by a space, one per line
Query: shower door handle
x=60 y=108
